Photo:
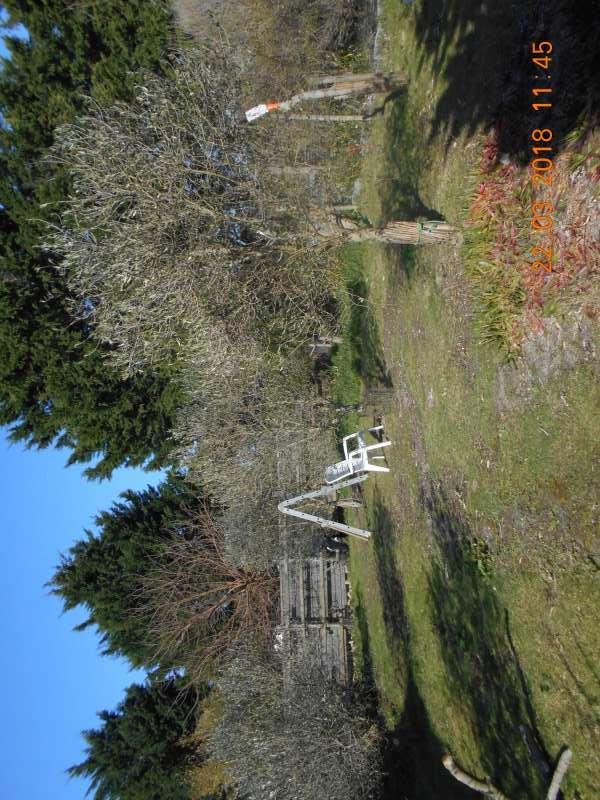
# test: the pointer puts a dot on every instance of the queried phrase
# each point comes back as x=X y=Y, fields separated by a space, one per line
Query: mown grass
x=487 y=544
x=477 y=597
x=357 y=362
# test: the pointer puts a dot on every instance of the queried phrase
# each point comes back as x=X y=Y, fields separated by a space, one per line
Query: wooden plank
x=322 y=579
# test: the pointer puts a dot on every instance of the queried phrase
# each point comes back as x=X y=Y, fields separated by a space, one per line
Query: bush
x=196 y=605
x=288 y=731
x=173 y=238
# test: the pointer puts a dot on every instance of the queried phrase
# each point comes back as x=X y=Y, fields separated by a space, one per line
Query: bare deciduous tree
x=171 y=229
x=195 y=604
x=289 y=732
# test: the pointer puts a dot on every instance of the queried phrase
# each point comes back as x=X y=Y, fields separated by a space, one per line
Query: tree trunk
x=415 y=233
x=347 y=85
x=334 y=87
x=374 y=81
x=330 y=117
x=300 y=169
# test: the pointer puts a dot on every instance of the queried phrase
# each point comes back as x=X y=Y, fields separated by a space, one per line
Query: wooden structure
x=314 y=608
x=315 y=611
x=335 y=87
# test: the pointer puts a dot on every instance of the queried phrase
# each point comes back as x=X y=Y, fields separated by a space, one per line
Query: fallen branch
x=559 y=774
x=485 y=787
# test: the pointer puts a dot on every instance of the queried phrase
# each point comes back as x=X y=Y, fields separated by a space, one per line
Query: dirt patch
x=558 y=346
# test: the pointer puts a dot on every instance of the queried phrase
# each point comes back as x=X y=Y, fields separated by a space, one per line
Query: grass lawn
x=476 y=601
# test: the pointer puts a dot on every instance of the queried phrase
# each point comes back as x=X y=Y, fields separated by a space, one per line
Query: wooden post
x=362 y=82
x=336 y=87
x=329 y=117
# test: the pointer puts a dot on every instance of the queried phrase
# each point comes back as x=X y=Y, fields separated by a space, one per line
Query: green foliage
x=499 y=291
x=55 y=387
x=138 y=752
x=104 y=572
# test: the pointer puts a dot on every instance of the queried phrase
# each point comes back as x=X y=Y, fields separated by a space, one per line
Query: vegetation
x=139 y=751
x=514 y=296
x=276 y=731
x=169 y=216
x=196 y=604
x=105 y=572
x=55 y=384
x=188 y=260
x=284 y=40
x=479 y=588
x=181 y=245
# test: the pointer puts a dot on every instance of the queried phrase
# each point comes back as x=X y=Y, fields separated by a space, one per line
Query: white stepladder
x=353 y=470
x=357 y=460
x=287 y=507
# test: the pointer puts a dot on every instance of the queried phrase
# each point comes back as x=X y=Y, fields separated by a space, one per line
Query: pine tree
x=137 y=753
x=105 y=571
x=55 y=384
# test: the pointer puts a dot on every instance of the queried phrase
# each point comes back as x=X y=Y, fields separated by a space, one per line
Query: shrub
x=288 y=731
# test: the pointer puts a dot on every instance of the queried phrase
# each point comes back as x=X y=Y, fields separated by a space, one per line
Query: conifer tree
x=55 y=385
x=137 y=753
x=105 y=571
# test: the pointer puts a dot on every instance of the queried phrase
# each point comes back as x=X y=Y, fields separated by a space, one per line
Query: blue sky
x=54 y=680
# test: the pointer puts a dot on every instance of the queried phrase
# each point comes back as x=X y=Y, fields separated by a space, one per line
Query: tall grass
x=498 y=290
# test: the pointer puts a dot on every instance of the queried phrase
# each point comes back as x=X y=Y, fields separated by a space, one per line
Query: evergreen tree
x=55 y=384
x=105 y=571
x=137 y=753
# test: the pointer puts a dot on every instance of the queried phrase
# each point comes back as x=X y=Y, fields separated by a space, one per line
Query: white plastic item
x=256 y=112
x=357 y=460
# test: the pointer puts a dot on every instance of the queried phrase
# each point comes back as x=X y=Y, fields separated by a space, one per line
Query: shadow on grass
x=480 y=657
x=411 y=753
x=368 y=688
x=403 y=262
x=362 y=331
x=481 y=52
x=388 y=577
x=399 y=188
x=412 y=757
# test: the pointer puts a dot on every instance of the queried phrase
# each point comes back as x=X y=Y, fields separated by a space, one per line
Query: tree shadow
x=390 y=585
x=412 y=757
x=389 y=98
x=480 y=657
x=411 y=752
x=403 y=156
x=369 y=358
x=367 y=684
x=481 y=52
x=403 y=262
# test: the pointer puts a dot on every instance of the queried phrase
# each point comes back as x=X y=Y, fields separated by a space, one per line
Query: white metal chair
x=357 y=459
